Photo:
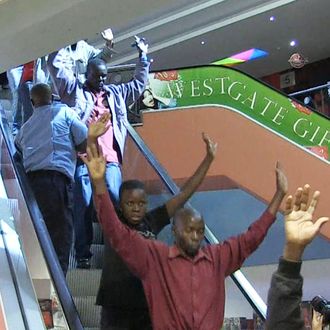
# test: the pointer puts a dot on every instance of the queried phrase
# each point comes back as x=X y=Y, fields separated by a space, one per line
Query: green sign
x=214 y=85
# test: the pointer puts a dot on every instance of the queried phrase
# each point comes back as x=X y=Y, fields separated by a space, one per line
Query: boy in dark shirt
x=120 y=293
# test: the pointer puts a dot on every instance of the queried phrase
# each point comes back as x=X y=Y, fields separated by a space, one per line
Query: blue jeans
x=83 y=210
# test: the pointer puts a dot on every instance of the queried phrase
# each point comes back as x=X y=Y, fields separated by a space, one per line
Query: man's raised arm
x=132 y=90
x=107 y=51
x=284 y=296
x=237 y=249
x=62 y=76
x=195 y=180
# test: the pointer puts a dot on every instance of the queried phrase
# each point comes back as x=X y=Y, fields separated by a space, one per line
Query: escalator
x=250 y=143
x=39 y=254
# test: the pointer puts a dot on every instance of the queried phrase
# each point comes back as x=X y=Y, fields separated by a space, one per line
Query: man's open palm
x=299 y=227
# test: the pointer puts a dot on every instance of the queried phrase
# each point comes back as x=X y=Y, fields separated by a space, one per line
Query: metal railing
x=317 y=98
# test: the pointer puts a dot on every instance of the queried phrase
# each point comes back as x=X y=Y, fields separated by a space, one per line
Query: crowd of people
x=73 y=148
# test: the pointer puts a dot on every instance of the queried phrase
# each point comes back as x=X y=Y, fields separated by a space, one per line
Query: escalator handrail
x=312 y=89
x=66 y=300
x=239 y=279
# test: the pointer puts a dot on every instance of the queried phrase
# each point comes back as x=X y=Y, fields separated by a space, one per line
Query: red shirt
x=182 y=293
x=107 y=140
x=27 y=74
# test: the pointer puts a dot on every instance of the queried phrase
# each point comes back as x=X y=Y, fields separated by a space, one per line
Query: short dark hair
x=94 y=62
x=130 y=185
x=41 y=94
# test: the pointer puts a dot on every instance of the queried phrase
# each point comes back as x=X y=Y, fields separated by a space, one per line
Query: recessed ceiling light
x=203 y=42
x=293 y=43
x=272 y=18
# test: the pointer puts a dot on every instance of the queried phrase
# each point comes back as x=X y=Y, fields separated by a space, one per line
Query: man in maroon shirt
x=183 y=283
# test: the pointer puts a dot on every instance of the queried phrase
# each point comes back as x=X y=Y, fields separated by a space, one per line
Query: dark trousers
x=120 y=319
x=54 y=194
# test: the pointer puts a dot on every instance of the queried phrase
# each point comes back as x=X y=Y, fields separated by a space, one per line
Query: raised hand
x=141 y=44
x=317 y=320
x=211 y=147
x=300 y=229
x=107 y=35
x=281 y=179
x=98 y=127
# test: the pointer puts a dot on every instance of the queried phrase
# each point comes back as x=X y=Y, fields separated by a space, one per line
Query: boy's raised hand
x=98 y=127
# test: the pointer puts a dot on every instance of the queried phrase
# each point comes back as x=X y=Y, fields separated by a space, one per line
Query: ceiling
x=175 y=29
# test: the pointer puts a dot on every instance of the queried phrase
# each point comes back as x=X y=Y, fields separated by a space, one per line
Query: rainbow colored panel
x=245 y=56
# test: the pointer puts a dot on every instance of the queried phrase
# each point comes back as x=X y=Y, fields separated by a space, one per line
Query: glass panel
x=33 y=255
x=137 y=167
x=230 y=212
x=238 y=312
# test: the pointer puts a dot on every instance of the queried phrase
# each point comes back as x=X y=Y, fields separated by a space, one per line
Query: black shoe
x=83 y=263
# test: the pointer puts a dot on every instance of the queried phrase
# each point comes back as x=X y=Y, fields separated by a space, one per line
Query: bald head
x=41 y=94
x=96 y=74
x=188 y=230
x=186 y=214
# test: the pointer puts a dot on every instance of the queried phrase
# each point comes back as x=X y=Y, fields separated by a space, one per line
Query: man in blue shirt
x=49 y=142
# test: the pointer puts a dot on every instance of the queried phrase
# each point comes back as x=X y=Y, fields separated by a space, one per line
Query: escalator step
x=89 y=313
x=83 y=282
x=97 y=233
x=97 y=258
